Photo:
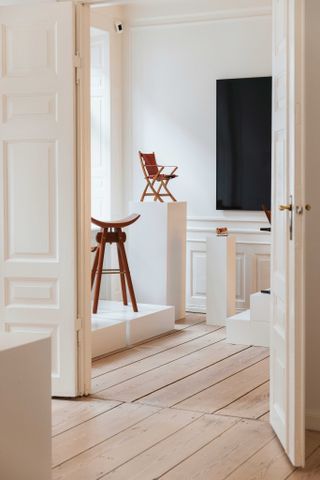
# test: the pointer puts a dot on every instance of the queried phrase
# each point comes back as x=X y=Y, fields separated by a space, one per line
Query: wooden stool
x=111 y=232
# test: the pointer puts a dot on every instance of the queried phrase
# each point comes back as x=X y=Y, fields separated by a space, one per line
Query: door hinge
x=77 y=66
x=78 y=323
x=78 y=338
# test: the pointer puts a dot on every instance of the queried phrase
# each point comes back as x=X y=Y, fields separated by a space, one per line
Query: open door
x=38 y=248
x=287 y=330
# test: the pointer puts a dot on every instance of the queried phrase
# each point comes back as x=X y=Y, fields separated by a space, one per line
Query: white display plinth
x=25 y=414
x=157 y=254
x=251 y=327
x=221 y=279
x=116 y=326
x=108 y=333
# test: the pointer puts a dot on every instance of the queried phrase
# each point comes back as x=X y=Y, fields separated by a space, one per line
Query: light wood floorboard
x=70 y=413
x=182 y=406
x=95 y=462
x=265 y=417
x=252 y=405
x=148 y=382
x=178 y=447
x=177 y=392
x=220 y=456
x=86 y=435
x=224 y=393
x=271 y=463
x=162 y=358
x=151 y=347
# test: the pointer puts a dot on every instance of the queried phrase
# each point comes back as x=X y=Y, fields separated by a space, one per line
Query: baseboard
x=313 y=420
x=195 y=309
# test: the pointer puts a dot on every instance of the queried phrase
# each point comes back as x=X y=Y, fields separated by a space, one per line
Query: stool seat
x=124 y=222
x=111 y=232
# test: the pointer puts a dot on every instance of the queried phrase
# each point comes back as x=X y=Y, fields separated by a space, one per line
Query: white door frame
x=84 y=192
x=83 y=196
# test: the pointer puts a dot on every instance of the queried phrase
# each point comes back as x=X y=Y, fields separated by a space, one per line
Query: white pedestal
x=251 y=327
x=117 y=326
x=25 y=414
x=221 y=279
x=157 y=254
x=108 y=333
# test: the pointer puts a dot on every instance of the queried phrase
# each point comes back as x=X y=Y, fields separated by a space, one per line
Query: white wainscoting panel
x=196 y=275
x=20 y=40
x=252 y=264
x=37 y=212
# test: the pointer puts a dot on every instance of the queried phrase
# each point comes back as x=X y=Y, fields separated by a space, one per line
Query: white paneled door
x=37 y=181
x=287 y=331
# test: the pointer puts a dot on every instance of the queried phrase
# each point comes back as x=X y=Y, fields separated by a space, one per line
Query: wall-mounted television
x=243 y=156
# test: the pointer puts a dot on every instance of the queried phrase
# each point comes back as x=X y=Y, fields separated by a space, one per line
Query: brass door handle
x=285 y=207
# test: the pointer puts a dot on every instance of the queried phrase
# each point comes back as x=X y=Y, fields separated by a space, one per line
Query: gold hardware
x=299 y=210
x=285 y=207
x=308 y=207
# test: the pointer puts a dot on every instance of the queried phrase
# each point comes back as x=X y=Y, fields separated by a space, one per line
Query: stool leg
x=122 y=277
x=128 y=276
x=99 y=274
x=94 y=267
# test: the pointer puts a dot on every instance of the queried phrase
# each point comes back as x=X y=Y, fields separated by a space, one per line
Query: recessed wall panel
x=30 y=204
x=29 y=107
x=31 y=292
x=199 y=269
x=28 y=49
x=240 y=278
x=263 y=271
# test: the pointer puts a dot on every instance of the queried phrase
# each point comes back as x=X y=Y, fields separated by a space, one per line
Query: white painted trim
x=231 y=230
x=83 y=201
x=226 y=219
x=195 y=309
x=196 y=240
x=240 y=242
x=252 y=242
x=204 y=17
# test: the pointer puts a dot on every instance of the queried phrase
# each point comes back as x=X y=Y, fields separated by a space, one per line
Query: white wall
x=176 y=52
x=312 y=217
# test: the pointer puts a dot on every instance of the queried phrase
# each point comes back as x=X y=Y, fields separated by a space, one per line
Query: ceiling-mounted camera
x=118 y=27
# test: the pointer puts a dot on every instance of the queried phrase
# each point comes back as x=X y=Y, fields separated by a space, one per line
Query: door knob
x=285 y=207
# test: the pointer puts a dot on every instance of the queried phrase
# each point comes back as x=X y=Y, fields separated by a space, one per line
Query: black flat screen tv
x=243 y=180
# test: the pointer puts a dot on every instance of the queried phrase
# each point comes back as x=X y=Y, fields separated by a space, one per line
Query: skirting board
x=313 y=420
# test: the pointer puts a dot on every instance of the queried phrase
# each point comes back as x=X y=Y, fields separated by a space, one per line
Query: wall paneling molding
x=252 y=264
x=203 y=17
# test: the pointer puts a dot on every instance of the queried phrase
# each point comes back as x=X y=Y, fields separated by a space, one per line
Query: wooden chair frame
x=111 y=232
x=161 y=177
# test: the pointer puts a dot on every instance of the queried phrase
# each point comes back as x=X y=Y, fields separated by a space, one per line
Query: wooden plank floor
x=183 y=406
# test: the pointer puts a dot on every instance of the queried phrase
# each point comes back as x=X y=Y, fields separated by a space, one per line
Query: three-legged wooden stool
x=111 y=232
